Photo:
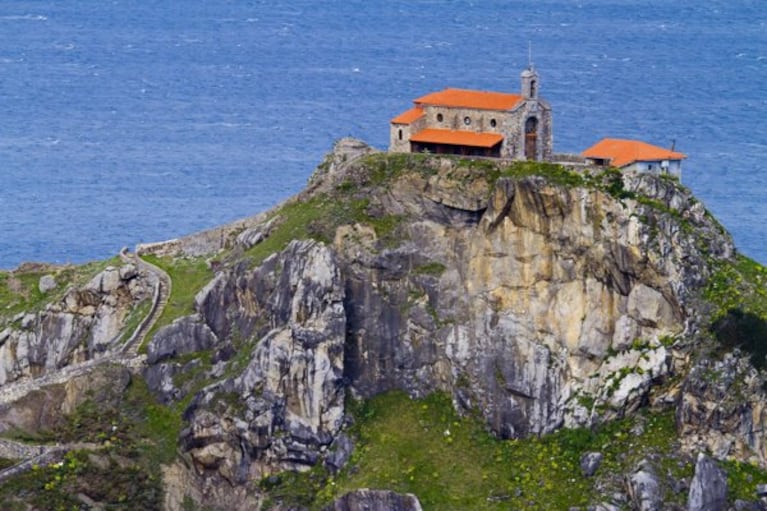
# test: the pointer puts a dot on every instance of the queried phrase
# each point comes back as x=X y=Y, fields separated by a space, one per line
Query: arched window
x=467 y=120
x=439 y=118
x=533 y=84
x=493 y=123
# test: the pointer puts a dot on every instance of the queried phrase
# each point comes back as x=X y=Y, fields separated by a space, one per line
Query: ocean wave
x=24 y=17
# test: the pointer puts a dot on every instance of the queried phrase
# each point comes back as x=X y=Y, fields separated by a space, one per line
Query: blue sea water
x=131 y=121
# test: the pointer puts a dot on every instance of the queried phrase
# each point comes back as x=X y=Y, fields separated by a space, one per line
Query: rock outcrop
x=83 y=325
x=722 y=409
x=287 y=404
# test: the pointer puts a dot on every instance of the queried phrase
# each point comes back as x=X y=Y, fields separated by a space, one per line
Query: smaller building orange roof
x=623 y=152
x=466 y=98
x=409 y=117
x=456 y=137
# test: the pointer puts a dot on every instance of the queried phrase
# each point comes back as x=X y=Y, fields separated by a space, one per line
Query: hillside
x=454 y=334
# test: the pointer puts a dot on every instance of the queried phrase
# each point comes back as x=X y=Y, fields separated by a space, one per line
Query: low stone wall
x=568 y=158
x=202 y=243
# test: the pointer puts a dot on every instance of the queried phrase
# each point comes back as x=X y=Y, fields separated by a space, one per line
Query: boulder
x=47 y=283
x=340 y=452
x=375 y=500
x=185 y=335
x=590 y=463
x=708 y=490
x=644 y=488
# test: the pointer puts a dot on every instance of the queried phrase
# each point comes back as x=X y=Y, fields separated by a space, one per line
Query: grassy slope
x=188 y=276
x=136 y=436
x=453 y=463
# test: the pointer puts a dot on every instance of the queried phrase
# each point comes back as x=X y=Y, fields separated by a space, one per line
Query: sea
x=124 y=122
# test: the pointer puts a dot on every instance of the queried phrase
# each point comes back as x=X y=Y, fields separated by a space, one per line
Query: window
x=439 y=118
x=493 y=123
x=400 y=134
x=467 y=120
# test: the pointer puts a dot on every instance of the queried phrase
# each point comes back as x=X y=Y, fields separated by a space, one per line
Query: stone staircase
x=162 y=289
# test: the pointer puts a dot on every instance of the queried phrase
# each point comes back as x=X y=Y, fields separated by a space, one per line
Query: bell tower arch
x=530 y=83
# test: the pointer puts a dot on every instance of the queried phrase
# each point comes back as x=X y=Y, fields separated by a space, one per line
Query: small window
x=400 y=134
x=439 y=118
x=467 y=120
x=493 y=123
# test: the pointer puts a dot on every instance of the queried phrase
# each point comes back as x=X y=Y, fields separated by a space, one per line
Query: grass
x=136 y=435
x=188 y=277
x=112 y=480
x=136 y=316
x=433 y=268
x=453 y=463
x=739 y=284
x=318 y=218
x=737 y=291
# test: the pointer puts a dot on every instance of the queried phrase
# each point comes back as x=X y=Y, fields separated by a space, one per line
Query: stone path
x=163 y=286
x=125 y=354
x=32 y=455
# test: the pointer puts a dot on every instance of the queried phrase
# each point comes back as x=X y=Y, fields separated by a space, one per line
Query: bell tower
x=530 y=82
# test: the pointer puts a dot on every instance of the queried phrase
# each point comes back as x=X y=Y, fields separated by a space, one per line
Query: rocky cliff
x=533 y=297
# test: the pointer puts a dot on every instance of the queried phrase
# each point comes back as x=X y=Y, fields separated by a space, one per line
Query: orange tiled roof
x=455 y=137
x=625 y=152
x=408 y=117
x=466 y=98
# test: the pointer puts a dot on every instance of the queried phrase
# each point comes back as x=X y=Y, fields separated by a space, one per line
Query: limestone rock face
x=549 y=307
x=83 y=325
x=290 y=394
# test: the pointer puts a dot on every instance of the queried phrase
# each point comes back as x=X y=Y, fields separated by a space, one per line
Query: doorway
x=531 y=138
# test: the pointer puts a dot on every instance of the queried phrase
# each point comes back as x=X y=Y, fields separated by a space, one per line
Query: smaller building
x=634 y=155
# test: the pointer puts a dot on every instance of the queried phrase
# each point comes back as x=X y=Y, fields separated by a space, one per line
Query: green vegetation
x=188 y=277
x=551 y=172
x=104 y=477
x=135 y=434
x=453 y=463
x=19 y=291
x=742 y=479
x=741 y=284
x=433 y=268
x=136 y=316
x=738 y=292
x=318 y=218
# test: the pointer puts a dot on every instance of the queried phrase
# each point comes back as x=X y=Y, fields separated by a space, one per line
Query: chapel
x=478 y=123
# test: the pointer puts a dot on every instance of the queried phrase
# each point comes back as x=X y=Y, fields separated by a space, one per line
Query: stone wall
x=514 y=131
x=401 y=144
x=453 y=119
